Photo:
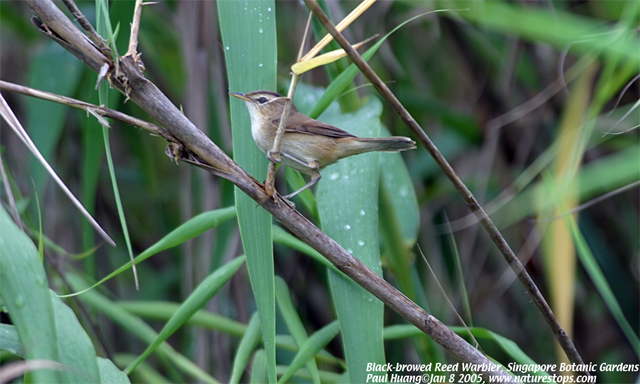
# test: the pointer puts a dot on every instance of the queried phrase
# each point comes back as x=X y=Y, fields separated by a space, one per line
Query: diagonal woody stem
x=469 y=198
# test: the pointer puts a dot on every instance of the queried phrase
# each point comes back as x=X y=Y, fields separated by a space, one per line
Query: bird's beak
x=239 y=96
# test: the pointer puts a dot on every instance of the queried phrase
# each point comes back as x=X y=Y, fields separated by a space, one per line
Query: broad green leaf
x=347 y=198
x=47 y=328
x=10 y=340
x=111 y=374
x=259 y=368
x=75 y=348
x=249 y=38
x=24 y=291
x=398 y=185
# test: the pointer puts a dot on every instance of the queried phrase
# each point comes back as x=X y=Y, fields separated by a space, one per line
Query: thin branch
x=82 y=20
x=13 y=122
x=100 y=110
x=489 y=226
x=9 y=193
x=135 y=28
x=274 y=154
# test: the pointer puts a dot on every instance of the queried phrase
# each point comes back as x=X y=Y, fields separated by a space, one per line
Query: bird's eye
x=262 y=100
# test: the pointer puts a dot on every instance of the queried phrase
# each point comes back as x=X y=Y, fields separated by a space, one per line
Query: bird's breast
x=262 y=135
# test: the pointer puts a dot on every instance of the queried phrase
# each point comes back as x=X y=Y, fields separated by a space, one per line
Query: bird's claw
x=274 y=157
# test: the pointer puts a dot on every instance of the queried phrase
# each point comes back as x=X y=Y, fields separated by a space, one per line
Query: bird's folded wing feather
x=314 y=127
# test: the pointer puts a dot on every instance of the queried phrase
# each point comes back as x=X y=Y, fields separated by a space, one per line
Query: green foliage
x=493 y=84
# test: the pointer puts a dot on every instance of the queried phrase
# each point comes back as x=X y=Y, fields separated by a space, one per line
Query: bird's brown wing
x=306 y=125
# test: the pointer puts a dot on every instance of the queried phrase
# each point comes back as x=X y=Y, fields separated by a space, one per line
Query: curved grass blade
x=192 y=228
x=294 y=324
x=165 y=310
x=138 y=328
x=311 y=347
x=247 y=345
x=196 y=300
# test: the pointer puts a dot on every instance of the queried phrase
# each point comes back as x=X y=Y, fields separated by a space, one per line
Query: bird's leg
x=315 y=176
x=312 y=170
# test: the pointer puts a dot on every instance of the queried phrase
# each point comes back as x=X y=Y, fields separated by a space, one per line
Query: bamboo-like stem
x=469 y=198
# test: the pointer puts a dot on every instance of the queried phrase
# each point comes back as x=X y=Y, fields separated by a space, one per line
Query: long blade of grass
x=590 y=264
x=560 y=28
x=558 y=249
x=164 y=310
x=104 y=29
x=294 y=324
x=245 y=349
x=594 y=271
x=192 y=228
x=249 y=37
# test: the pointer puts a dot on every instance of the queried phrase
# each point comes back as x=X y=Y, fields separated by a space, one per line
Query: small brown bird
x=308 y=145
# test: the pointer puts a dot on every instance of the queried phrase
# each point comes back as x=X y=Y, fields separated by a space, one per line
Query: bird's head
x=262 y=103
